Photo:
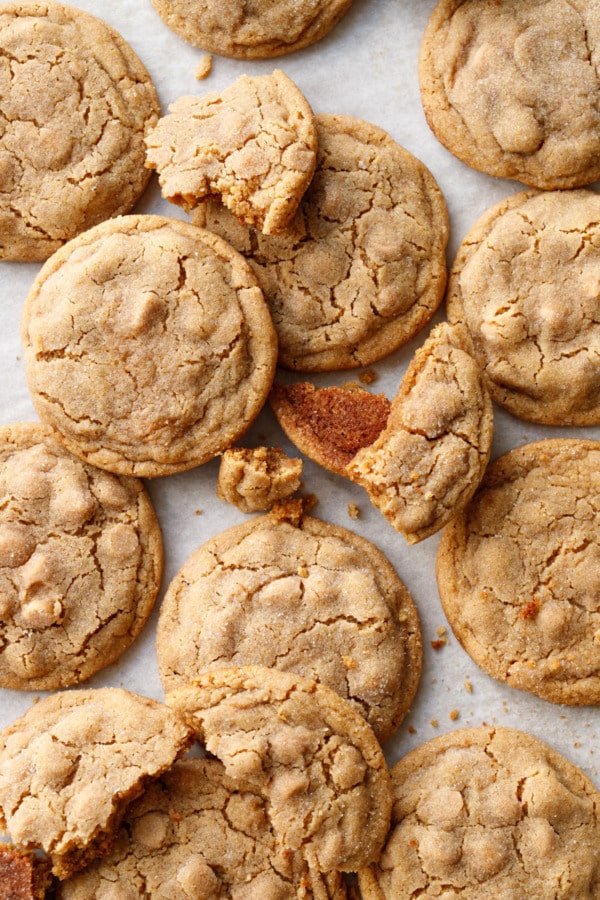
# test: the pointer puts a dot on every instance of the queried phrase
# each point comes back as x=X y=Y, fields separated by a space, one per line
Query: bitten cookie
x=305 y=750
x=148 y=345
x=361 y=268
x=518 y=571
x=255 y=479
x=512 y=87
x=525 y=284
x=76 y=101
x=80 y=562
x=72 y=763
x=486 y=814
x=254 y=144
x=197 y=833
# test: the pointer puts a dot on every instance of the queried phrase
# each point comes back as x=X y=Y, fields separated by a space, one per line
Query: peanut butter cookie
x=23 y=875
x=255 y=479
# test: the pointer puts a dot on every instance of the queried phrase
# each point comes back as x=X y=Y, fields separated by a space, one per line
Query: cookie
x=488 y=813
x=76 y=101
x=525 y=284
x=251 y=31
x=23 y=875
x=148 y=345
x=72 y=763
x=197 y=833
x=427 y=463
x=253 y=144
x=255 y=479
x=305 y=750
x=306 y=597
x=361 y=268
x=511 y=88
x=518 y=570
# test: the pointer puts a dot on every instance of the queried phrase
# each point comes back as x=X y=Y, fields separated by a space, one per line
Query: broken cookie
x=255 y=479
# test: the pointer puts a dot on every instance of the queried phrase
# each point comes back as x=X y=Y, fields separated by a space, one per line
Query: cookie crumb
x=353 y=510
x=468 y=686
x=197 y=512
x=454 y=715
x=530 y=610
x=368 y=376
x=412 y=729
x=439 y=643
x=204 y=67
x=434 y=723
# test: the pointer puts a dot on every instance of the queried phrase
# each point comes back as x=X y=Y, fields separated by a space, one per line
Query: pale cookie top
x=525 y=284
x=245 y=29
x=311 y=598
x=254 y=144
x=69 y=766
x=488 y=814
x=512 y=88
x=148 y=345
x=519 y=571
x=255 y=479
x=425 y=466
x=195 y=833
x=305 y=750
x=75 y=103
x=80 y=562
x=361 y=267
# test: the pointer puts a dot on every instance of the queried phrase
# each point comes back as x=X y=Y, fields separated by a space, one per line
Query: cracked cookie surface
x=148 y=345
x=75 y=103
x=361 y=268
x=512 y=87
x=488 y=814
x=518 y=571
x=80 y=562
x=254 y=144
x=525 y=284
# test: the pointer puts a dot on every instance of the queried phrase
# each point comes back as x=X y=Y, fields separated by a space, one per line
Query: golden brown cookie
x=148 y=345
x=80 y=562
x=23 y=875
x=518 y=571
x=255 y=479
x=254 y=145
x=512 y=88
x=488 y=813
x=361 y=267
x=76 y=101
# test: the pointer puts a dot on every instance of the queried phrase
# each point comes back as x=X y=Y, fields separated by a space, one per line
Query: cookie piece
x=525 y=284
x=425 y=466
x=305 y=750
x=254 y=144
x=255 y=479
x=76 y=101
x=148 y=345
x=305 y=596
x=197 y=833
x=361 y=267
x=486 y=813
x=251 y=30
x=518 y=571
x=23 y=875
x=511 y=88
x=72 y=763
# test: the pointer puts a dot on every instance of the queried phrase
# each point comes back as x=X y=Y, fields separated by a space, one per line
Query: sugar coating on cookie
x=518 y=571
x=76 y=101
x=361 y=268
x=307 y=597
x=23 y=875
x=486 y=813
x=72 y=763
x=512 y=88
x=253 y=144
x=80 y=562
x=148 y=345
x=254 y=479
x=250 y=30
x=197 y=833
x=306 y=750
x=525 y=284
x=425 y=466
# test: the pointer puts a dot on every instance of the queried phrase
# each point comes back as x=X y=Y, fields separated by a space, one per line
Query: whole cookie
x=512 y=88
x=252 y=30
x=197 y=833
x=80 y=562
x=486 y=814
x=148 y=345
x=518 y=571
x=525 y=284
x=305 y=750
x=72 y=763
x=311 y=598
x=76 y=101
x=361 y=267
